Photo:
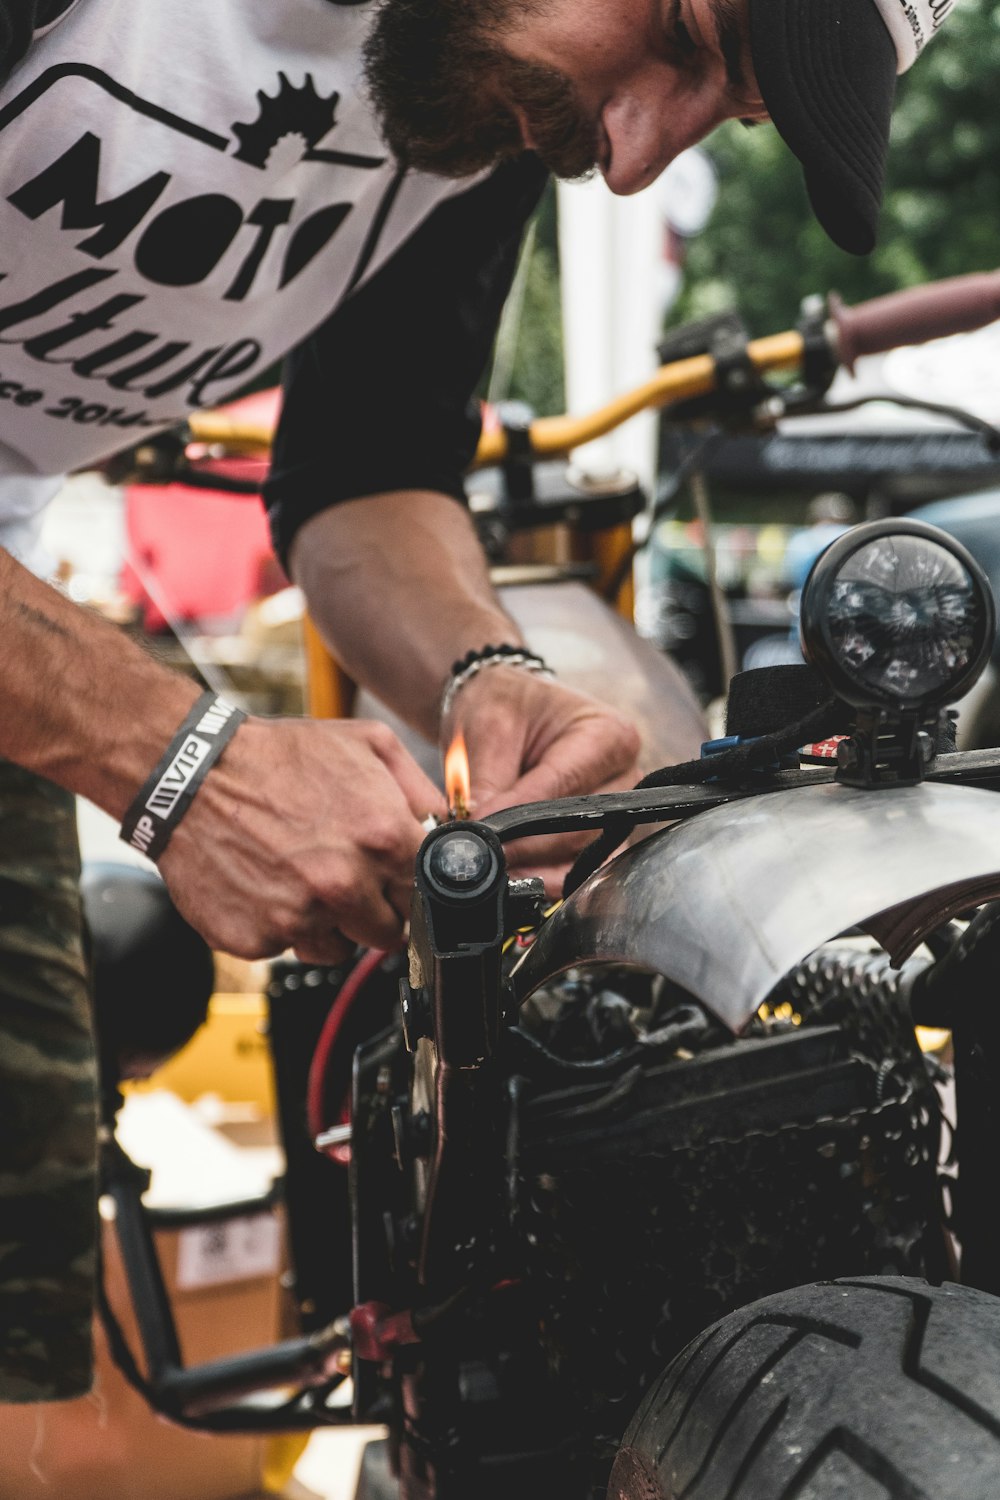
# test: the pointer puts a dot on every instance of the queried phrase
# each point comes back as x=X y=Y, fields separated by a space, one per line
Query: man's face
x=641 y=81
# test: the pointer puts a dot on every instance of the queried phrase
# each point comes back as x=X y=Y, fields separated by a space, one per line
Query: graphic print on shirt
x=294 y=114
x=154 y=258
x=177 y=242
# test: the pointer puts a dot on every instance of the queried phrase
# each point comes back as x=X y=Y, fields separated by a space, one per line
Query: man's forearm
x=82 y=705
x=399 y=587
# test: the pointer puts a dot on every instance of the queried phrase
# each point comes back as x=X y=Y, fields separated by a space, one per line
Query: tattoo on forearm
x=32 y=616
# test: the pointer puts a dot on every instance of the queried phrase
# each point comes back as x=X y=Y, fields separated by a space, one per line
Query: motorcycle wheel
x=872 y=1388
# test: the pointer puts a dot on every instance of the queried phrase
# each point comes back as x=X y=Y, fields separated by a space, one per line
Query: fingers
x=305 y=835
x=532 y=741
x=367 y=919
x=590 y=753
x=334 y=949
x=303 y=838
x=422 y=796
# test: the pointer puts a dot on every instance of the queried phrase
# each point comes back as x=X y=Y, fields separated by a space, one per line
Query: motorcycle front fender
x=729 y=901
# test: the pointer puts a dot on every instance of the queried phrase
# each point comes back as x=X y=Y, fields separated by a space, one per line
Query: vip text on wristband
x=168 y=791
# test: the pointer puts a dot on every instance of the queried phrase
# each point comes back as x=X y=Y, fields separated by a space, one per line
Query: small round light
x=898 y=615
x=461 y=862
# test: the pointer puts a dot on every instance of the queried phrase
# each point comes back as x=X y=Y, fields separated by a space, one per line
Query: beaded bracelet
x=474 y=662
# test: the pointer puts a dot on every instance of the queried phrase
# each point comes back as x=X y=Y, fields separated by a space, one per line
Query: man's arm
x=375 y=437
x=300 y=833
x=83 y=706
x=400 y=589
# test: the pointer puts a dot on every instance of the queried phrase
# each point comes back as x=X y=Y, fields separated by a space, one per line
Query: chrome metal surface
x=727 y=902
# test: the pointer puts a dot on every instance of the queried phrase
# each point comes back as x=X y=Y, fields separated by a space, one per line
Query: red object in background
x=202 y=554
x=206 y=555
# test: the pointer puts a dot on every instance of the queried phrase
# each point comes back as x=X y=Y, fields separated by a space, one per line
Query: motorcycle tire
x=871 y=1388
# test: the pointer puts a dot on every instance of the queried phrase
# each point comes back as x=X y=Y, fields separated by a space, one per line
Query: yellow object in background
x=281 y=1454
x=932 y=1039
x=227 y=1056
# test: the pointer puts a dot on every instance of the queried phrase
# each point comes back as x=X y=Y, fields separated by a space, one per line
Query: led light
x=461 y=862
x=896 y=614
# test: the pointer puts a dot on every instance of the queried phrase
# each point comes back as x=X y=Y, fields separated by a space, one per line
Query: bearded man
x=189 y=190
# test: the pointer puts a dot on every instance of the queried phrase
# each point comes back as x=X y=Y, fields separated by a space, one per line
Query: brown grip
x=925 y=312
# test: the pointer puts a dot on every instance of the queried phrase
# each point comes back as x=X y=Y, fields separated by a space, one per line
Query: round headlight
x=459 y=862
x=897 y=615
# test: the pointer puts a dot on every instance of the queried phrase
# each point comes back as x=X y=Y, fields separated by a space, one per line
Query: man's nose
x=634 y=147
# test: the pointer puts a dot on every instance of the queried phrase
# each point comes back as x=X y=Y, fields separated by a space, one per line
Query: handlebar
x=680 y=381
x=956 y=305
x=217 y=429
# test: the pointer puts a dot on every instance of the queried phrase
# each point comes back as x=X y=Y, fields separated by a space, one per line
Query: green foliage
x=762 y=250
x=537 y=375
x=538 y=369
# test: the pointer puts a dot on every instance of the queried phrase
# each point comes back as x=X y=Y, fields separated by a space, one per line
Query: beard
x=450 y=100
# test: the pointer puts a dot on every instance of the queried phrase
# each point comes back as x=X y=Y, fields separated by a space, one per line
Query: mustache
x=562 y=134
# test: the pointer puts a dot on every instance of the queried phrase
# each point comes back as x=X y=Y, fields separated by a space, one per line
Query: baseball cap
x=827 y=74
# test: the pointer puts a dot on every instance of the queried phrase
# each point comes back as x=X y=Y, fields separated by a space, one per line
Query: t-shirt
x=189 y=189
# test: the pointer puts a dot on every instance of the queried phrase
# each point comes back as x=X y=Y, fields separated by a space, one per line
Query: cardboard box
x=224 y=1288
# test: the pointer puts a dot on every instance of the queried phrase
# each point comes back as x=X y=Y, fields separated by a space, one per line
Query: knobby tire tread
x=913 y=1352
x=799 y=1326
x=704 y=1433
x=839 y=1440
x=756 y=1448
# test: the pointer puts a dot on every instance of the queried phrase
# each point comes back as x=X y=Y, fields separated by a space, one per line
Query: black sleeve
x=19 y=20
x=379 y=398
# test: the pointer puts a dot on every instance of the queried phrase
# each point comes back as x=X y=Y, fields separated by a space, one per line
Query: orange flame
x=457 y=779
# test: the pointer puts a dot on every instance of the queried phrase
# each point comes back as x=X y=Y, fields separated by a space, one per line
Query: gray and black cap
x=827 y=73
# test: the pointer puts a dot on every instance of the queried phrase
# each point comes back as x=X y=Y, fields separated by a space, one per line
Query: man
x=625 y=88
x=186 y=191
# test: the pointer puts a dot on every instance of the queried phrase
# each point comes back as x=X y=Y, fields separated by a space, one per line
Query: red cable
x=339 y=1010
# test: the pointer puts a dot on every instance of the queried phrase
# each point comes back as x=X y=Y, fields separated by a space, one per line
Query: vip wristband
x=168 y=792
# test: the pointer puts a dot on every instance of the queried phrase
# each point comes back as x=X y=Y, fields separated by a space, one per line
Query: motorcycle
x=647 y=1192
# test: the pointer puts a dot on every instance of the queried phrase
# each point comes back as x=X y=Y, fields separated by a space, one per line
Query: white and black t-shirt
x=189 y=189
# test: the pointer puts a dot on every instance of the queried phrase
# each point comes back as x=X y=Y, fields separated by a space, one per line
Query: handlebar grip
x=925 y=312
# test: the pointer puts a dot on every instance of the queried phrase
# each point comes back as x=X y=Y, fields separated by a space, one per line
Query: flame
x=457 y=779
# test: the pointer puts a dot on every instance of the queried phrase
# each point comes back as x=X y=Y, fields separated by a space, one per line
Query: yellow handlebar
x=550 y=436
x=218 y=430
x=680 y=381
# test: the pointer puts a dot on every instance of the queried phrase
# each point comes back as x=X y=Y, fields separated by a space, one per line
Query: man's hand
x=529 y=740
x=303 y=835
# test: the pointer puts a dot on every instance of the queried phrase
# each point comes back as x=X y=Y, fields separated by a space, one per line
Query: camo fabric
x=48 y=1092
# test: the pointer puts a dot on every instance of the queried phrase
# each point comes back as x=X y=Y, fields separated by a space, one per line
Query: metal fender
x=730 y=900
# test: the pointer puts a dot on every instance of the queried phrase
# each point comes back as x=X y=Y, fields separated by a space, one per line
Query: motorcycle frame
x=456 y=946
x=213 y=1396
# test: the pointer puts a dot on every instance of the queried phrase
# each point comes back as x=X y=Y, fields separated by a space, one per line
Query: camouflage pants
x=47 y=1100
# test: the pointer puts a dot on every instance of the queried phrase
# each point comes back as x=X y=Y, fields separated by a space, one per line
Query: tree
x=763 y=251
